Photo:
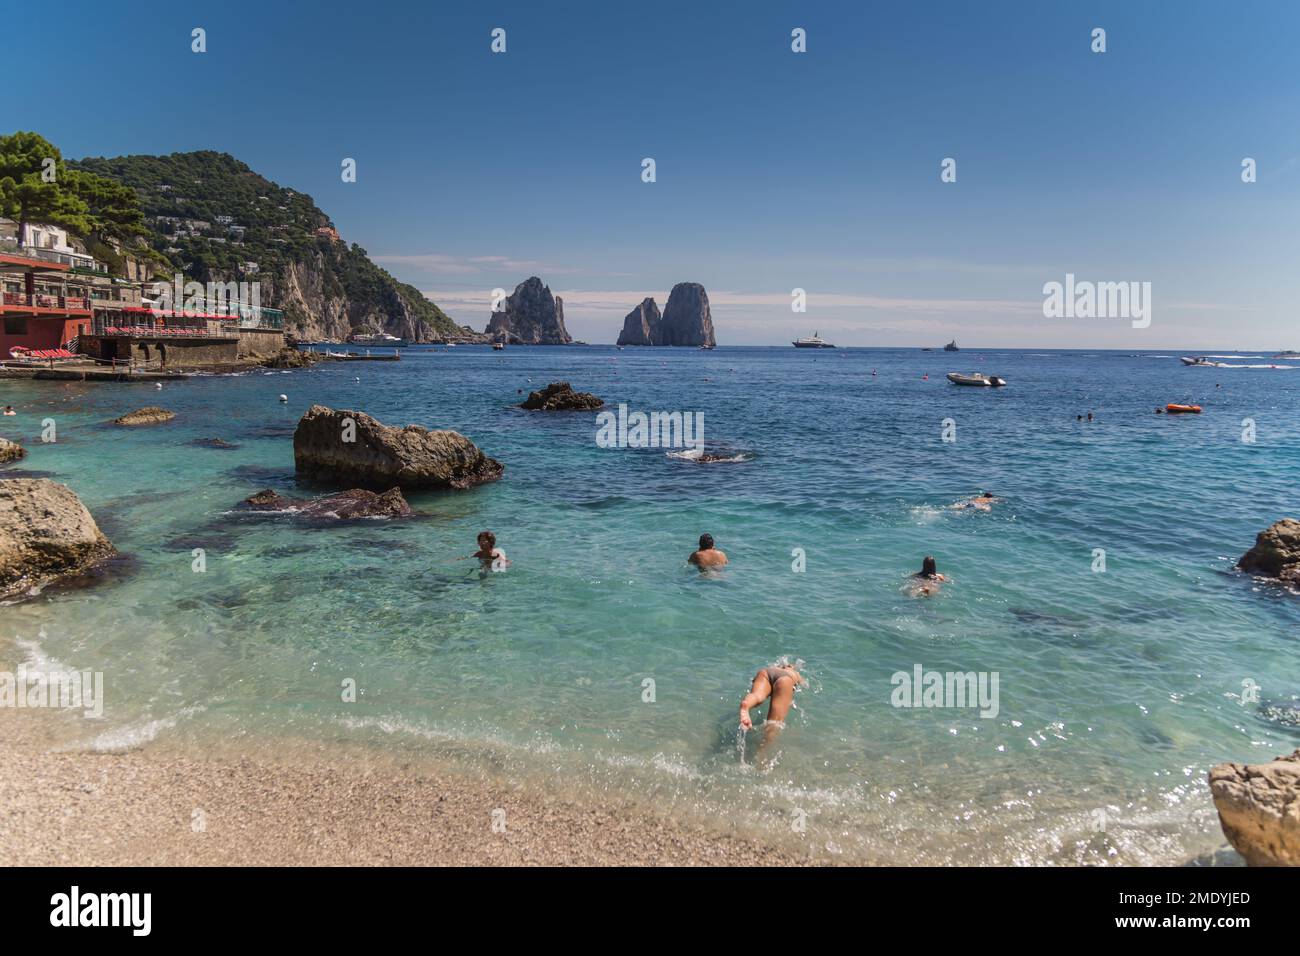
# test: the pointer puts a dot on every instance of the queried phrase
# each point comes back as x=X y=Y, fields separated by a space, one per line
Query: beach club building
x=60 y=305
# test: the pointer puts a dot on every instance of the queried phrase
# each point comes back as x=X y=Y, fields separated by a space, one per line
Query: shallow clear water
x=1118 y=689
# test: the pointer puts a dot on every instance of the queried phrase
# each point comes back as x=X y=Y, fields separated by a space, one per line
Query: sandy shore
x=152 y=808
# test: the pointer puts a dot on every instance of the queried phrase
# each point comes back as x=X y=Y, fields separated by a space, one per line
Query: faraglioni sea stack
x=352 y=449
x=686 y=320
x=531 y=316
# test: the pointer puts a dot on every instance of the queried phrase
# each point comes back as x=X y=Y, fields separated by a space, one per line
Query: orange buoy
x=1180 y=409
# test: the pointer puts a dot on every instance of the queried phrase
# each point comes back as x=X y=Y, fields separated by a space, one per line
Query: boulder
x=11 y=451
x=1276 y=552
x=379 y=456
x=560 y=397
x=641 y=326
x=150 y=415
x=531 y=316
x=1259 y=809
x=686 y=319
x=45 y=533
x=353 y=503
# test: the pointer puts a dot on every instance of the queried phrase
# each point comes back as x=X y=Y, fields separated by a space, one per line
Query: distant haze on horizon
x=775 y=170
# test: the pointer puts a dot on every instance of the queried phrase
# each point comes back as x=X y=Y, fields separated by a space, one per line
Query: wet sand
x=149 y=807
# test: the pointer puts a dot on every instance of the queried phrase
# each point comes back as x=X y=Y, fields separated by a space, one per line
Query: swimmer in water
x=927 y=580
x=778 y=683
x=488 y=554
x=9 y=410
x=984 y=501
x=708 y=556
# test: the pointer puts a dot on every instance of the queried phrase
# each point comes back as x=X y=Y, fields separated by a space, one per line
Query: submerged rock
x=687 y=320
x=1259 y=809
x=11 y=451
x=220 y=443
x=642 y=325
x=149 y=415
x=381 y=456
x=1276 y=552
x=560 y=396
x=531 y=316
x=46 y=533
x=353 y=503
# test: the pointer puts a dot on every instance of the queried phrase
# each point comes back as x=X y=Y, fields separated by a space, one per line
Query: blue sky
x=775 y=170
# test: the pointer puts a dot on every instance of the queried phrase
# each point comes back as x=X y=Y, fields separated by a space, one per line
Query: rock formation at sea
x=1259 y=809
x=1276 y=552
x=149 y=415
x=46 y=533
x=686 y=320
x=11 y=451
x=379 y=456
x=560 y=396
x=344 y=505
x=642 y=325
x=530 y=316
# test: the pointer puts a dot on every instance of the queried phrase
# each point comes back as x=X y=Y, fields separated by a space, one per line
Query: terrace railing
x=46 y=301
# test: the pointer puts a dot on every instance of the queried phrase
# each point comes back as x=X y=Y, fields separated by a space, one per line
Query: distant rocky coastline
x=686 y=320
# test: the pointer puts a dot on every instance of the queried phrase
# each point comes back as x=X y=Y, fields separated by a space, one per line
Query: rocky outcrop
x=560 y=396
x=353 y=448
x=45 y=533
x=149 y=415
x=11 y=451
x=1259 y=809
x=293 y=358
x=641 y=326
x=686 y=319
x=346 y=505
x=1276 y=552
x=531 y=316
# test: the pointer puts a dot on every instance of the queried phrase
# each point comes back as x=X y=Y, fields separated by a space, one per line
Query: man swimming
x=926 y=581
x=707 y=556
x=984 y=501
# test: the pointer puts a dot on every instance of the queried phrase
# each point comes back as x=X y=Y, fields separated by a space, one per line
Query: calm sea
x=599 y=663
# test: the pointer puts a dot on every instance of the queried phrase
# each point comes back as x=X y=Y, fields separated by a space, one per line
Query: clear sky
x=775 y=170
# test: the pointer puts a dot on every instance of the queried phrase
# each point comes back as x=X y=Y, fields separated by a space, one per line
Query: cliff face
x=531 y=316
x=213 y=219
x=685 y=321
x=642 y=325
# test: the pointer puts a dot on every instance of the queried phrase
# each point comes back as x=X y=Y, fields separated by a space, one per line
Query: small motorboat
x=498 y=347
x=976 y=379
x=1174 y=409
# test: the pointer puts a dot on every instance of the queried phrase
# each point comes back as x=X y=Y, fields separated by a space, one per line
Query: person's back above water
x=926 y=581
x=707 y=556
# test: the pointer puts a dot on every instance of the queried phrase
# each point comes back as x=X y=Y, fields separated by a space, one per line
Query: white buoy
x=157 y=384
x=284 y=398
x=358 y=378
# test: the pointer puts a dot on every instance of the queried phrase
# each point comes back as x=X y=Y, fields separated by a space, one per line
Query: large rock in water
x=1259 y=809
x=642 y=325
x=149 y=415
x=686 y=319
x=531 y=316
x=353 y=503
x=384 y=457
x=560 y=397
x=11 y=451
x=1276 y=552
x=45 y=533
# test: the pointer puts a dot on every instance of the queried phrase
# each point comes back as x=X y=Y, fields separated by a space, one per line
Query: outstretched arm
x=758 y=692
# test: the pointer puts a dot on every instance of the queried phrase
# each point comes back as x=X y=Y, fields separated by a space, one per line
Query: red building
x=37 y=310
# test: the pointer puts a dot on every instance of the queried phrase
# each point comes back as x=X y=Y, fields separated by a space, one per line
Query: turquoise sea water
x=1117 y=689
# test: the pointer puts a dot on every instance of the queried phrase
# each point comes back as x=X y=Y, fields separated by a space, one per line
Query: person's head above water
x=706 y=542
x=486 y=539
x=928 y=567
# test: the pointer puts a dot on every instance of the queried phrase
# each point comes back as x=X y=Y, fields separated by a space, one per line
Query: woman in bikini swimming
x=778 y=683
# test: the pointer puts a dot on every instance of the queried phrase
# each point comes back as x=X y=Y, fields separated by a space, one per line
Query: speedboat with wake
x=977 y=379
